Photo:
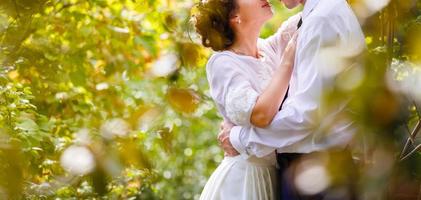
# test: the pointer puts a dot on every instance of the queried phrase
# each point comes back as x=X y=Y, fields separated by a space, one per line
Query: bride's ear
x=235 y=19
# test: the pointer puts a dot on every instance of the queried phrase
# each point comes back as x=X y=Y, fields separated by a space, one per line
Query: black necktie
x=286 y=95
x=300 y=23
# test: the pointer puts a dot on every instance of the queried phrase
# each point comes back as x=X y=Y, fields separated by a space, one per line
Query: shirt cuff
x=236 y=141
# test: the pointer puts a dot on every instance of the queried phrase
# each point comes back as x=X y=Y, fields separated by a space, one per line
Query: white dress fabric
x=235 y=82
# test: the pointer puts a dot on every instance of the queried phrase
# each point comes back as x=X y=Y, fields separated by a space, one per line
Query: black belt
x=285 y=159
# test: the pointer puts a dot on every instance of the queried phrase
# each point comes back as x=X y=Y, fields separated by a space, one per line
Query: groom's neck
x=303 y=2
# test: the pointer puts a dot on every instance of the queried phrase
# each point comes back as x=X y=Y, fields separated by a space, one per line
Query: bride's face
x=251 y=11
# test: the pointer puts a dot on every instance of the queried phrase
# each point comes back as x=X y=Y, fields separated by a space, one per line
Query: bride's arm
x=270 y=99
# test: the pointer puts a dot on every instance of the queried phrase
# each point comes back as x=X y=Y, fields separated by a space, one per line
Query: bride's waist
x=267 y=161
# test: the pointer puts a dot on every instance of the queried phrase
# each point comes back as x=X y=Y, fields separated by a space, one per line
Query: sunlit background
x=109 y=98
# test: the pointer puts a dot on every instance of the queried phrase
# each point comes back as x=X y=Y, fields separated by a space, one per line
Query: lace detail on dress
x=264 y=74
x=239 y=104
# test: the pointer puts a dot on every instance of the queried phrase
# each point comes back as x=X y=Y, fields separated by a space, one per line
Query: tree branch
x=415 y=150
x=410 y=141
x=417 y=110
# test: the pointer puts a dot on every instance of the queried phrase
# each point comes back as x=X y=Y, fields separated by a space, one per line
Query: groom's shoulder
x=330 y=9
x=331 y=14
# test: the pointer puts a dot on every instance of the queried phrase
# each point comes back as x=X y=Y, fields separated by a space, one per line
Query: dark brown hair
x=212 y=23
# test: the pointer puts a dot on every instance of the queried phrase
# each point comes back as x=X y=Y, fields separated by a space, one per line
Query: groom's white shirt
x=302 y=126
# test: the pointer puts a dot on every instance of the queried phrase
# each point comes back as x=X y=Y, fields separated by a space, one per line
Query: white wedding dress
x=235 y=83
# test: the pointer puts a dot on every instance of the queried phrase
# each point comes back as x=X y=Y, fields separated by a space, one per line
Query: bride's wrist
x=285 y=65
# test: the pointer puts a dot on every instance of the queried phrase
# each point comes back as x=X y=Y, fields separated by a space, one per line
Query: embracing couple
x=269 y=92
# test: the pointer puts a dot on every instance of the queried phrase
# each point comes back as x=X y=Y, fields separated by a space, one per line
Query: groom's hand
x=224 y=140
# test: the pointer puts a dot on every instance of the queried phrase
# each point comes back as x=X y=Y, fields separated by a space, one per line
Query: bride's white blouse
x=237 y=80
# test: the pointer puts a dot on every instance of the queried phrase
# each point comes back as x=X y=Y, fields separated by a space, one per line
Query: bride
x=248 y=79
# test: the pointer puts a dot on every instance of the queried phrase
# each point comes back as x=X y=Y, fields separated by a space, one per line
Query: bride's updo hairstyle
x=212 y=22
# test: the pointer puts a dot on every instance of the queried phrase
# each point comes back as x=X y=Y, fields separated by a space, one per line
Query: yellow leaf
x=13 y=74
x=183 y=100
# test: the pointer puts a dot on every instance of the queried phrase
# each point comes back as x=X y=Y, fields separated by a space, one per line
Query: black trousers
x=338 y=159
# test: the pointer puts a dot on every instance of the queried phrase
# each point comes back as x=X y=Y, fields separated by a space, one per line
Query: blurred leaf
x=133 y=154
x=166 y=138
x=147 y=42
x=190 y=54
x=27 y=124
x=183 y=100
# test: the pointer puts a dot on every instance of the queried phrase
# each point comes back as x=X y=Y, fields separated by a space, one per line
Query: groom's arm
x=288 y=127
x=299 y=116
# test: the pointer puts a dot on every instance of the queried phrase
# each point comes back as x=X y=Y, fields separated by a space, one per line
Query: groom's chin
x=289 y=6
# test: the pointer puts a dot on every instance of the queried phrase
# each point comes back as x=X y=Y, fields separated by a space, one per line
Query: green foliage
x=80 y=72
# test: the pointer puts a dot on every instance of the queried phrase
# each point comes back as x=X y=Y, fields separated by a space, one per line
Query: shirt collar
x=308 y=7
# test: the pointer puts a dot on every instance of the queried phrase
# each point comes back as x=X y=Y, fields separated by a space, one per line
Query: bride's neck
x=246 y=42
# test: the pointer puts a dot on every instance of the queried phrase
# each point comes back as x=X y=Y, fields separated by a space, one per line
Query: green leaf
x=147 y=42
x=27 y=124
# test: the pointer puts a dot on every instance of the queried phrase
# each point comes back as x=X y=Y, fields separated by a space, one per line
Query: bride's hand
x=224 y=140
x=288 y=56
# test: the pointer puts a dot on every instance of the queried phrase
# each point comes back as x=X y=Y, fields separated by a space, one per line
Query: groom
x=329 y=37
